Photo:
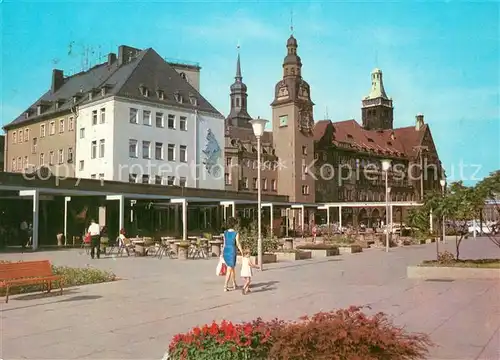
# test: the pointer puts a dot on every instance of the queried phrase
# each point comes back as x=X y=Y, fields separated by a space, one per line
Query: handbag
x=221 y=268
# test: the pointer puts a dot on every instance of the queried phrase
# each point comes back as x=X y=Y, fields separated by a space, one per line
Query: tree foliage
x=488 y=190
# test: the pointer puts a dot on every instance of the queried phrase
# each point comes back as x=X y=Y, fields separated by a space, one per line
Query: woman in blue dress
x=231 y=245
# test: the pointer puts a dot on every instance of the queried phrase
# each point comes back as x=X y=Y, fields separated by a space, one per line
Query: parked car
x=477 y=228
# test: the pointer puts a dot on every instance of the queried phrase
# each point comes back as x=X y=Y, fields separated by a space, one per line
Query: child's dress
x=246 y=270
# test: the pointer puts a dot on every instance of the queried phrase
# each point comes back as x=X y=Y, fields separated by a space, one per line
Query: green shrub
x=249 y=236
x=70 y=277
x=317 y=247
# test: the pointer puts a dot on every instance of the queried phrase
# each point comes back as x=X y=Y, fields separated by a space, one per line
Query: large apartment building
x=135 y=118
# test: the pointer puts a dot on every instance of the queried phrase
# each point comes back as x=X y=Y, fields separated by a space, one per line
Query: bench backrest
x=25 y=269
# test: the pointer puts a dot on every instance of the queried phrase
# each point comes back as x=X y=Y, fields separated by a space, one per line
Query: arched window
x=293 y=71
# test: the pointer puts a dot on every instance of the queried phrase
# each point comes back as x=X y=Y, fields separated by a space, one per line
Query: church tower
x=293 y=124
x=377 y=111
x=238 y=115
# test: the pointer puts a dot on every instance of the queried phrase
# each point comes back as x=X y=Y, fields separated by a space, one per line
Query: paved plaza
x=136 y=317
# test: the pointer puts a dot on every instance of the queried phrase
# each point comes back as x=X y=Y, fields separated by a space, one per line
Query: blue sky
x=441 y=59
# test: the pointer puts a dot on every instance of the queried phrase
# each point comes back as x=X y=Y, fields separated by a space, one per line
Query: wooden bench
x=27 y=273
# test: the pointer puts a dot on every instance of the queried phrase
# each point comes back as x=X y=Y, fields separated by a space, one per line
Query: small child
x=246 y=271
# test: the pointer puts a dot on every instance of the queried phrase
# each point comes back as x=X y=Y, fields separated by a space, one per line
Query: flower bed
x=342 y=334
x=266 y=259
x=351 y=249
x=71 y=277
x=466 y=263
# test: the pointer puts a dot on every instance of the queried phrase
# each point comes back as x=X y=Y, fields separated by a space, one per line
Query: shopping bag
x=87 y=238
x=221 y=267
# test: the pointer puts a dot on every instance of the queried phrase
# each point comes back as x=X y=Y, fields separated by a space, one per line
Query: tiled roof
x=147 y=68
x=349 y=133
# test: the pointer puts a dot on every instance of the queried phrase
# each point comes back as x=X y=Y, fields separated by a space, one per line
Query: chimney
x=57 y=80
x=111 y=58
x=419 y=122
x=126 y=54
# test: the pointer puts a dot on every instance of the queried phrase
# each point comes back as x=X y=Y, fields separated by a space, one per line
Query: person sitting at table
x=124 y=243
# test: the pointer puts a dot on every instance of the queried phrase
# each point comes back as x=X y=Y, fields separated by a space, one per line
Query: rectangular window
x=171 y=121
x=93 y=149
x=25 y=162
x=42 y=159
x=14 y=167
x=60 y=156
x=159 y=120
x=170 y=180
x=133 y=116
x=103 y=115
x=227 y=179
x=93 y=176
x=51 y=158
x=183 y=153
x=305 y=190
x=34 y=146
x=42 y=130
x=81 y=165
x=101 y=176
x=71 y=124
x=145 y=179
x=183 y=123
x=264 y=184
x=70 y=155
x=82 y=133
x=94 y=117
x=146 y=150
x=19 y=164
x=254 y=183
x=182 y=182
x=146 y=117
x=52 y=128
x=157 y=179
x=304 y=150
x=102 y=145
x=26 y=135
x=274 y=186
x=245 y=183
x=14 y=137
x=159 y=151
x=132 y=178
x=171 y=152
x=61 y=126
x=132 y=148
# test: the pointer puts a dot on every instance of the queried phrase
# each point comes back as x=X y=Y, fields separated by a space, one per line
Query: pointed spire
x=291 y=21
x=238 y=76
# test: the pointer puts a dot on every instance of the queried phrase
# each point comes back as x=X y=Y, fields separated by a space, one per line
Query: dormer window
x=103 y=91
x=39 y=109
x=178 y=97
x=27 y=114
x=393 y=136
x=144 y=90
x=370 y=140
x=349 y=136
x=193 y=99
x=161 y=94
x=59 y=103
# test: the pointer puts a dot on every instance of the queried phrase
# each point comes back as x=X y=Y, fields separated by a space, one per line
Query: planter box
x=292 y=256
x=430 y=241
x=266 y=259
x=317 y=253
x=452 y=273
x=352 y=249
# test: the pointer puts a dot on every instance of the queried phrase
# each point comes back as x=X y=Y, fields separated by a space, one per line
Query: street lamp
x=258 y=126
x=386 y=165
x=443 y=185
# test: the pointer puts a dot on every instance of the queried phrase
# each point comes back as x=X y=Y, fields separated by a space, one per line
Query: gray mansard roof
x=127 y=78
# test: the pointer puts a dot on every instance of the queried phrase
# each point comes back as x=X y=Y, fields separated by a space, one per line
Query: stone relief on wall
x=212 y=152
x=306 y=121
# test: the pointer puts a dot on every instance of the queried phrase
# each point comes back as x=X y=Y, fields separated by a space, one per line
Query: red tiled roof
x=397 y=142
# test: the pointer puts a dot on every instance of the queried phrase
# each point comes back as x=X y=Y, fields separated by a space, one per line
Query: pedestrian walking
x=95 y=239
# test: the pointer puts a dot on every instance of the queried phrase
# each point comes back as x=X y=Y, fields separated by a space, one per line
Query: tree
x=488 y=191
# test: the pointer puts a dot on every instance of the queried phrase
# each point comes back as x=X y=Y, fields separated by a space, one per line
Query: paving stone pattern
x=136 y=317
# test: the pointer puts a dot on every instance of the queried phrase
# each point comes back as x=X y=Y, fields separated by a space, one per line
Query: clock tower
x=293 y=124
x=377 y=111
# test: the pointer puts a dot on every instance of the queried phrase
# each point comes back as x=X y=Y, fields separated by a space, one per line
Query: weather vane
x=291 y=21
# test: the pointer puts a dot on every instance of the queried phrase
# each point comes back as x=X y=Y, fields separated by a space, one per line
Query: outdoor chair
x=126 y=246
x=149 y=244
x=165 y=250
x=198 y=250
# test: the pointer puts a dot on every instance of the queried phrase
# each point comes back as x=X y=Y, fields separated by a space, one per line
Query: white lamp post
x=386 y=165
x=443 y=185
x=258 y=126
